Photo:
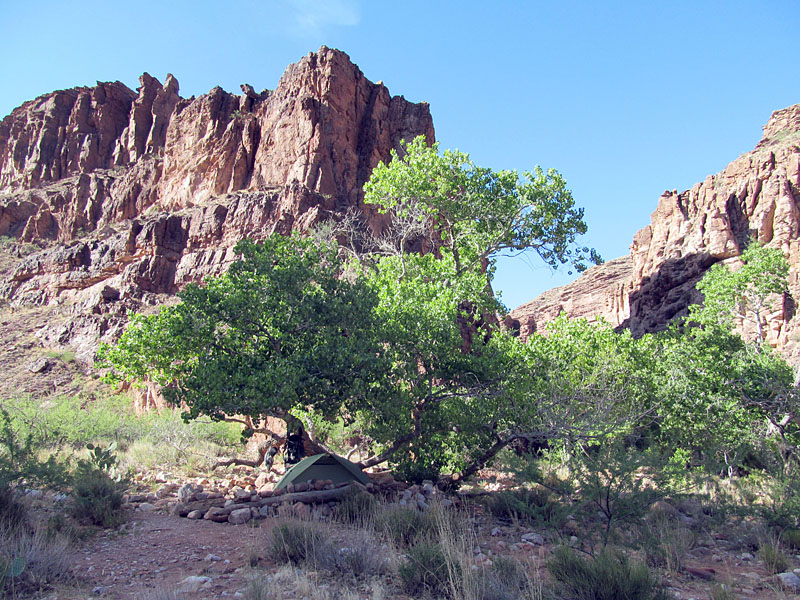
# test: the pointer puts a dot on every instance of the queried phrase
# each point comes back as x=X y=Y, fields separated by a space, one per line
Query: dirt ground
x=154 y=554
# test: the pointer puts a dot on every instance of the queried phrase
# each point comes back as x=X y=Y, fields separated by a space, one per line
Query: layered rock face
x=137 y=194
x=755 y=197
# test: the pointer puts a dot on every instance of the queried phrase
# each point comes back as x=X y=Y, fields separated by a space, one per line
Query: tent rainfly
x=323 y=466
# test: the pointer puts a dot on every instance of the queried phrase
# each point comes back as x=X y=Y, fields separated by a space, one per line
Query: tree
x=475 y=213
x=721 y=395
x=404 y=343
x=285 y=329
x=747 y=293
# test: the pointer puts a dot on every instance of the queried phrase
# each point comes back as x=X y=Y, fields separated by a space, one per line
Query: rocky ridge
x=133 y=195
x=754 y=197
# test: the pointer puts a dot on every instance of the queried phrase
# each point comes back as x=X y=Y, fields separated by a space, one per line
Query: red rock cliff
x=141 y=193
x=756 y=196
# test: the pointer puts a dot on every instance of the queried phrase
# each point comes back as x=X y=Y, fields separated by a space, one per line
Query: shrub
x=12 y=511
x=357 y=506
x=536 y=505
x=426 y=569
x=791 y=537
x=360 y=556
x=302 y=542
x=608 y=576
x=507 y=579
x=161 y=593
x=30 y=560
x=721 y=591
x=403 y=526
x=96 y=497
x=19 y=458
x=665 y=542
x=774 y=560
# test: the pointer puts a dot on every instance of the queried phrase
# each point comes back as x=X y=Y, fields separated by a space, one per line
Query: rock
x=212 y=558
x=217 y=514
x=533 y=538
x=754 y=195
x=195 y=514
x=261 y=480
x=790 y=581
x=301 y=511
x=301 y=487
x=40 y=365
x=701 y=572
x=146 y=507
x=746 y=556
x=239 y=516
x=188 y=492
x=193 y=584
x=84 y=169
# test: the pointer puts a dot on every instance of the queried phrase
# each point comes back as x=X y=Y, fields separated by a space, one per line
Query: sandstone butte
x=756 y=196
x=133 y=195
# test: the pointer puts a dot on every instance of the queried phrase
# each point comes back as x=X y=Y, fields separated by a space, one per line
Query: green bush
x=31 y=559
x=12 y=511
x=302 y=542
x=665 y=542
x=403 y=526
x=791 y=537
x=536 y=506
x=357 y=506
x=506 y=579
x=427 y=570
x=96 y=497
x=607 y=576
x=774 y=560
x=360 y=555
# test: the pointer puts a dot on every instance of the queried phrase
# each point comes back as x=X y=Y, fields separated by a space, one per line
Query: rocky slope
x=132 y=195
x=756 y=196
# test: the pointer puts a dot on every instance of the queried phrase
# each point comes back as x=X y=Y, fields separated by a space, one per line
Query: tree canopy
x=405 y=350
x=477 y=213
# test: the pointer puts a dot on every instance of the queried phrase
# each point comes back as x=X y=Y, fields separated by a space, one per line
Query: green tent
x=323 y=466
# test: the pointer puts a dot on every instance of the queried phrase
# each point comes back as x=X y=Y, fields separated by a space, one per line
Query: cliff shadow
x=667 y=293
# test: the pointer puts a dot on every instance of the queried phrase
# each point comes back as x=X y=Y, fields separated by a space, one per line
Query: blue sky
x=626 y=99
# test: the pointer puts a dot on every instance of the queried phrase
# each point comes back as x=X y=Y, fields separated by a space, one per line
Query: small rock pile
x=239 y=500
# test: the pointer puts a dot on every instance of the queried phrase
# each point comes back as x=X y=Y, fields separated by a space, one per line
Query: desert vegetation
x=622 y=454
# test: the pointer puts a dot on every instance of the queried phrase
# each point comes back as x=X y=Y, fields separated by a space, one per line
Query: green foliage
x=19 y=459
x=96 y=498
x=301 y=542
x=280 y=330
x=536 y=506
x=719 y=396
x=404 y=526
x=478 y=213
x=620 y=483
x=746 y=293
x=75 y=420
x=427 y=569
x=357 y=506
x=31 y=560
x=774 y=560
x=607 y=576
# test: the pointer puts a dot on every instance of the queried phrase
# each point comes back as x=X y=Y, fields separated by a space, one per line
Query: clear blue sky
x=626 y=99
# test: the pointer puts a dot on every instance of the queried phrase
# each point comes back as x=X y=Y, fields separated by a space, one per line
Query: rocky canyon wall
x=755 y=197
x=132 y=195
